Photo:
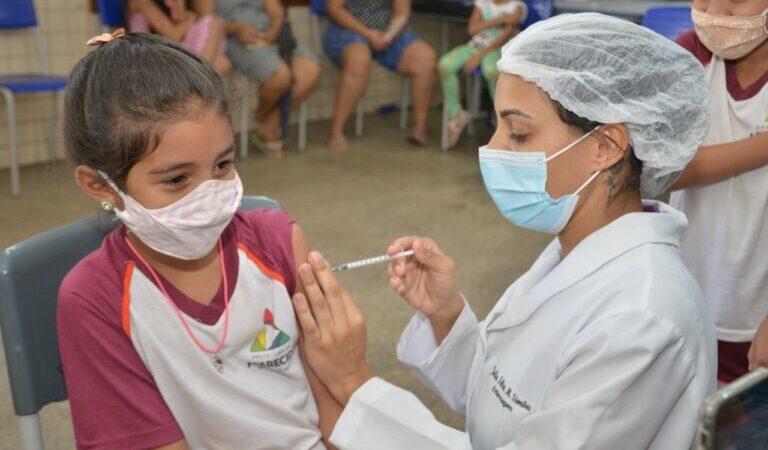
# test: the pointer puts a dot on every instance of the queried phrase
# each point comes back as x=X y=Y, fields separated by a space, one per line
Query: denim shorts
x=337 y=39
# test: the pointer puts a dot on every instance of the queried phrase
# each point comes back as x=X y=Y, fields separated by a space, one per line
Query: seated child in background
x=492 y=24
x=179 y=331
x=263 y=48
x=195 y=28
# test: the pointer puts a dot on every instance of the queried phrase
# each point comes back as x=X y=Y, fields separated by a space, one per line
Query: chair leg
x=303 y=126
x=54 y=116
x=30 y=432
x=11 y=107
x=470 y=104
x=244 y=118
x=405 y=93
x=359 y=116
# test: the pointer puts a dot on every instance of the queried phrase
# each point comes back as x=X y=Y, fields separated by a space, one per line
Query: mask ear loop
x=573 y=144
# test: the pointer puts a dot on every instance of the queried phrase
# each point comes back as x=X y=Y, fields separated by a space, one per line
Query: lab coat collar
x=546 y=278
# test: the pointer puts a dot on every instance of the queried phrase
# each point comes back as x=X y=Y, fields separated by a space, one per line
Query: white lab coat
x=611 y=348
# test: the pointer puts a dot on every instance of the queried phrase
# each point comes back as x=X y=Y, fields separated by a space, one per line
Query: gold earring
x=106 y=205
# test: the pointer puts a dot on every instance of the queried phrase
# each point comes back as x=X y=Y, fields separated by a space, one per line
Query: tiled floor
x=351 y=206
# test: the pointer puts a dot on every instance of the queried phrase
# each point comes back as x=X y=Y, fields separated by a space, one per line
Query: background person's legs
x=418 y=62
x=306 y=72
x=355 y=70
x=490 y=71
x=268 y=113
x=450 y=65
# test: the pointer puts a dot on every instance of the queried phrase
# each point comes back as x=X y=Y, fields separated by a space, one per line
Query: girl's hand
x=472 y=63
x=333 y=330
x=758 y=351
x=426 y=280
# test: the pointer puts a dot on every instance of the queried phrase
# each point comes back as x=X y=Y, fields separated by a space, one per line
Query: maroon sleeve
x=114 y=400
x=270 y=234
x=690 y=41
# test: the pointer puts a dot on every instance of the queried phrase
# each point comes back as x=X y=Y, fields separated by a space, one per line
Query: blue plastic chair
x=318 y=10
x=669 y=22
x=111 y=13
x=30 y=274
x=537 y=10
x=14 y=15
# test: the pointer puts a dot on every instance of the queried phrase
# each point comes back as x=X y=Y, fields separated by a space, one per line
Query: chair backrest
x=17 y=14
x=111 y=13
x=317 y=7
x=30 y=274
x=670 y=21
x=537 y=10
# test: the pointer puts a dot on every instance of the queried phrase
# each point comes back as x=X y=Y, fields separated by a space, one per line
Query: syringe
x=370 y=261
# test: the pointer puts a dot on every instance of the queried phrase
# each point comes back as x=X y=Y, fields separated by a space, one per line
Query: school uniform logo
x=273 y=347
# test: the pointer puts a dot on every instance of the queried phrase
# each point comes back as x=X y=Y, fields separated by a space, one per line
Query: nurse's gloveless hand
x=333 y=330
x=427 y=280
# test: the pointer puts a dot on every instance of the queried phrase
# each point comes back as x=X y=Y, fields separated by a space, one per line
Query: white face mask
x=189 y=228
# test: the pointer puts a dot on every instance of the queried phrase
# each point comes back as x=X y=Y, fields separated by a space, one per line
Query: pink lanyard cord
x=223 y=339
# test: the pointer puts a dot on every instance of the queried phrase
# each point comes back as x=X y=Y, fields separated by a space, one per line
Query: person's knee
x=279 y=81
x=422 y=60
x=357 y=60
x=444 y=66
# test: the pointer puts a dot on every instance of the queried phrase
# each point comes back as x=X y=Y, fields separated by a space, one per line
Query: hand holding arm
x=715 y=163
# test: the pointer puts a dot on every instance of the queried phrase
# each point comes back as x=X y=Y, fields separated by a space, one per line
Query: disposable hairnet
x=609 y=70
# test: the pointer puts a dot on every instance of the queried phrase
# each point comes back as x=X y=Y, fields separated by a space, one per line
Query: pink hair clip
x=106 y=37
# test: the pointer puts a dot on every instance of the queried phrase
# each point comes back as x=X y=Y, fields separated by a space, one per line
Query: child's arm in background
x=161 y=23
x=714 y=163
x=511 y=22
x=477 y=24
x=203 y=7
x=328 y=408
x=276 y=13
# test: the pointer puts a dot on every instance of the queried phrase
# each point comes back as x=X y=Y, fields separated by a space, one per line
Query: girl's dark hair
x=121 y=95
x=582 y=125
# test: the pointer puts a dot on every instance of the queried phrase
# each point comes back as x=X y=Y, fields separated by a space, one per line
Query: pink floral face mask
x=730 y=37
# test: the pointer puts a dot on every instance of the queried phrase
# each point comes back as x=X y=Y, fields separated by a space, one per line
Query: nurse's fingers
x=316 y=298
x=330 y=285
x=397 y=285
x=307 y=322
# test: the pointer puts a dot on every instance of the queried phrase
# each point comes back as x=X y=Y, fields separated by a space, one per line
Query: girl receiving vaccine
x=178 y=332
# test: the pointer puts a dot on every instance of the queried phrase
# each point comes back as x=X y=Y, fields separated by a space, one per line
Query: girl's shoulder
x=94 y=285
x=267 y=235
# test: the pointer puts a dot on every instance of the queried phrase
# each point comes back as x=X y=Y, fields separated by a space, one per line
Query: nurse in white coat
x=605 y=343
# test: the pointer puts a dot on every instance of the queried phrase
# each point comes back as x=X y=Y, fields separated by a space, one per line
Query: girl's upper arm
x=328 y=408
x=104 y=373
x=274 y=9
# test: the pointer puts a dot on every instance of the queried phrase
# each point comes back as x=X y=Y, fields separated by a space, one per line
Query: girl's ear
x=90 y=182
x=613 y=147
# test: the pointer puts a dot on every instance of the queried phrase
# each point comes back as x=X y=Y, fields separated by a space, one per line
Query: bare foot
x=418 y=137
x=338 y=144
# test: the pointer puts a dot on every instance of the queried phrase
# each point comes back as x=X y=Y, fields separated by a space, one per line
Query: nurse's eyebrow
x=227 y=151
x=514 y=112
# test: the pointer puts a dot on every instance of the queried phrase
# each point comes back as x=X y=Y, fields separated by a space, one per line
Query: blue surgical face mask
x=517 y=184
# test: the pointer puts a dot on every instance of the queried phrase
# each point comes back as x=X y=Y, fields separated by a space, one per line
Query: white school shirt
x=610 y=348
x=488 y=10
x=263 y=387
x=727 y=239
